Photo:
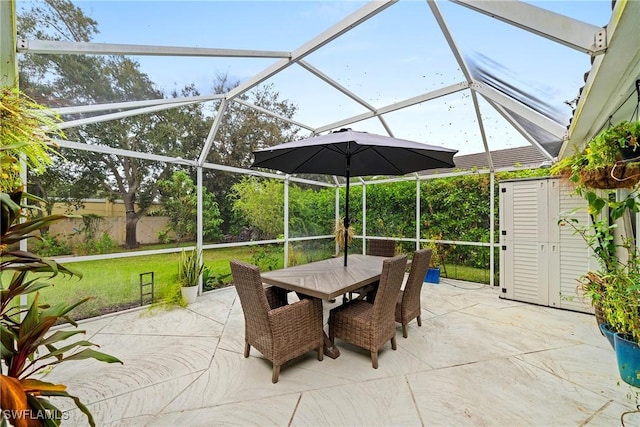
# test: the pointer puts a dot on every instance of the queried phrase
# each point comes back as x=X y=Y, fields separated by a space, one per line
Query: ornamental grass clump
x=339 y=233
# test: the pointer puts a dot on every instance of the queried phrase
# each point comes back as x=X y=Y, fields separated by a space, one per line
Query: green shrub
x=51 y=246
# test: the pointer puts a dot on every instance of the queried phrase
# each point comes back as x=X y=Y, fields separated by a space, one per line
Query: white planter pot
x=189 y=293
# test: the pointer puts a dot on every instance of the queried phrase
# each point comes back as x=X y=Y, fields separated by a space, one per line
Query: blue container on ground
x=608 y=334
x=628 y=356
x=433 y=275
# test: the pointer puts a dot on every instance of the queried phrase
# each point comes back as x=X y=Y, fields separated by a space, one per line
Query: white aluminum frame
x=602 y=92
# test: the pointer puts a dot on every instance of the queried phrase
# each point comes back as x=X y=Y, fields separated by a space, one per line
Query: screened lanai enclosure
x=162 y=104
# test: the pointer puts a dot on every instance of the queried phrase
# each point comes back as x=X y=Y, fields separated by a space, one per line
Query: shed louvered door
x=574 y=256
x=540 y=260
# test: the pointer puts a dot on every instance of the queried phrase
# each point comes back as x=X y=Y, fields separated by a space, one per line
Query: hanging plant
x=608 y=161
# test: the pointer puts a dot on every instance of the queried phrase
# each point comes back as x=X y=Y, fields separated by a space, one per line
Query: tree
x=243 y=130
x=261 y=202
x=81 y=79
x=62 y=80
x=180 y=204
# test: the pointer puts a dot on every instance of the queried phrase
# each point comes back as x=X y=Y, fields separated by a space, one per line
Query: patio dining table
x=328 y=279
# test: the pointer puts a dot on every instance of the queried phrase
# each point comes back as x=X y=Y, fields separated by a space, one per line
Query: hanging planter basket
x=620 y=175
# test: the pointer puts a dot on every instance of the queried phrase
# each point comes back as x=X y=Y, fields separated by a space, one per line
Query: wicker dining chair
x=278 y=330
x=408 y=303
x=370 y=325
x=382 y=248
x=386 y=248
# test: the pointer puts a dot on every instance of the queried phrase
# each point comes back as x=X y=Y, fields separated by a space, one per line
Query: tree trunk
x=131 y=240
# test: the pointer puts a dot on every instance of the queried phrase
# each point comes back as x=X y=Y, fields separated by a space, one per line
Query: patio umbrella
x=349 y=154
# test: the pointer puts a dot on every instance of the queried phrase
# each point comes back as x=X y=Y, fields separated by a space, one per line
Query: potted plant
x=614 y=289
x=609 y=160
x=433 y=272
x=189 y=271
x=28 y=346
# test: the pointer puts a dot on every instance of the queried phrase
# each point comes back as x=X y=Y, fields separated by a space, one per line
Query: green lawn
x=113 y=284
x=470 y=274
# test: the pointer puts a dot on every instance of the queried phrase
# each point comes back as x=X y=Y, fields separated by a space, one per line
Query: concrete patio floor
x=476 y=360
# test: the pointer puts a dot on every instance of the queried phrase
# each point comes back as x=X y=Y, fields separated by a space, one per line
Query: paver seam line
x=295 y=409
x=575 y=341
x=210 y=318
x=592 y=416
x=413 y=398
x=160 y=412
x=224 y=328
x=458 y=310
x=160 y=335
x=223 y=324
x=554 y=373
x=113 y=396
x=109 y=317
x=234 y=402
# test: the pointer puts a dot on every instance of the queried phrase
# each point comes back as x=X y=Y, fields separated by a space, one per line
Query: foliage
x=599 y=164
x=102 y=245
x=90 y=244
x=211 y=280
x=52 y=246
x=454 y=208
x=180 y=203
x=169 y=298
x=27 y=346
x=607 y=144
x=86 y=79
x=266 y=257
x=243 y=130
x=176 y=132
x=437 y=251
x=163 y=236
x=190 y=267
x=24 y=133
x=615 y=286
x=260 y=201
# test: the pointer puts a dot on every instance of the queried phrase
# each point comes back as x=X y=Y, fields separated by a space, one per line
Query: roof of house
x=522 y=157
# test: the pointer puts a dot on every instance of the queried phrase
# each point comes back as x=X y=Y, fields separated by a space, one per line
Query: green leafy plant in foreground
x=28 y=347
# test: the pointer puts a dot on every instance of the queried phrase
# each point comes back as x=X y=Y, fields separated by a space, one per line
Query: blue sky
x=397 y=54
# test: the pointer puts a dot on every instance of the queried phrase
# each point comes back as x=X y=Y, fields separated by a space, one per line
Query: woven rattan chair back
x=390 y=282
x=255 y=306
x=408 y=303
x=370 y=325
x=276 y=329
x=385 y=248
x=382 y=248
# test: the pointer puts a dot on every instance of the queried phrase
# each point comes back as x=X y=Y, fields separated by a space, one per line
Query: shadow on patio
x=476 y=360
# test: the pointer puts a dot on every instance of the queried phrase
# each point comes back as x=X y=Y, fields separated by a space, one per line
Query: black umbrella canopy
x=367 y=153
x=350 y=153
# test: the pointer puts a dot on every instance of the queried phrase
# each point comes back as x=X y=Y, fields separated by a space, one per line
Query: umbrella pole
x=346 y=210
